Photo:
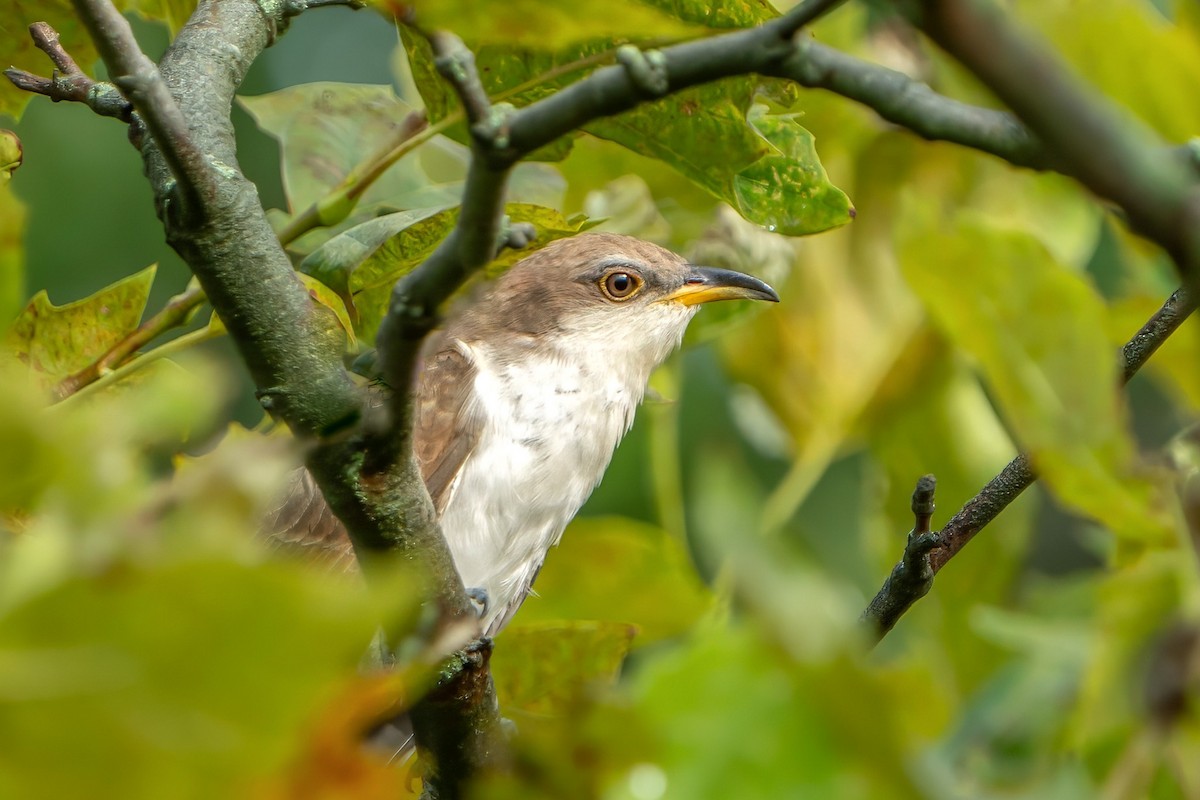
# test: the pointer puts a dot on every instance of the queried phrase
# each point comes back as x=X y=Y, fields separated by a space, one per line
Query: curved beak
x=708 y=284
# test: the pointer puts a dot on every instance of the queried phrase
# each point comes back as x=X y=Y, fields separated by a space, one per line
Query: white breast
x=550 y=428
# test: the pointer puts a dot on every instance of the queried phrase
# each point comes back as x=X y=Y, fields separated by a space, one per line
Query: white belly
x=549 y=432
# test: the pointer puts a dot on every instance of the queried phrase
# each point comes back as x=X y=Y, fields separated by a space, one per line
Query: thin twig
x=68 y=81
x=174 y=314
x=934 y=552
x=138 y=78
x=413 y=308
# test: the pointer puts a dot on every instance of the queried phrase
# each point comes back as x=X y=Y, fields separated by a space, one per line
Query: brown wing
x=304 y=524
x=447 y=427
x=446 y=433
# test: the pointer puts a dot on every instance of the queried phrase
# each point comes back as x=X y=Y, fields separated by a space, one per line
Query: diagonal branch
x=924 y=557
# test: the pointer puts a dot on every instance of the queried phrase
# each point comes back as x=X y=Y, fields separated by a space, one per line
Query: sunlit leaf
x=55 y=341
x=719 y=13
x=1038 y=332
x=545 y=23
x=787 y=189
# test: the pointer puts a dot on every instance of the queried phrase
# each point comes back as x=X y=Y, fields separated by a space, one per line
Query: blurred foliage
x=695 y=633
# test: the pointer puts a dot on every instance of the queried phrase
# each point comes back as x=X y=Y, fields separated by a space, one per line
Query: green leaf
x=326 y=129
x=56 y=341
x=1038 y=333
x=736 y=718
x=787 y=190
x=547 y=667
x=619 y=570
x=545 y=23
x=764 y=165
x=180 y=674
x=371 y=283
x=333 y=261
x=719 y=13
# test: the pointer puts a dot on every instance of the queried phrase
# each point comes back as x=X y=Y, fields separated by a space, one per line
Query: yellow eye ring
x=619 y=285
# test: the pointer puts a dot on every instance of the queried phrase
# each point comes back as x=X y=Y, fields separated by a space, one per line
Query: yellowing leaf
x=550 y=666
x=12 y=255
x=618 y=570
x=1038 y=333
x=55 y=341
x=10 y=155
x=329 y=298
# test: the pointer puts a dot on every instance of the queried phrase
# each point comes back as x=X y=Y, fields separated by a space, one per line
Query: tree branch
x=68 y=81
x=138 y=78
x=1107 y=151
x=912 y=577
x=911 y=104
x=925 y=555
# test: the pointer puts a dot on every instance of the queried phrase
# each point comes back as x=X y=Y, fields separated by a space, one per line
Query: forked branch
x=926 y=553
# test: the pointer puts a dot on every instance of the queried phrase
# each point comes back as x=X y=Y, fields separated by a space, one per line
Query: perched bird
x=524 y=397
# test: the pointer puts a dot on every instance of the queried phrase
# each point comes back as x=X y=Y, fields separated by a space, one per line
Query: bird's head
x=612 y=294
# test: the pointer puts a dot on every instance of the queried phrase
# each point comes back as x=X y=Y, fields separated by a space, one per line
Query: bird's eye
x=620 y=285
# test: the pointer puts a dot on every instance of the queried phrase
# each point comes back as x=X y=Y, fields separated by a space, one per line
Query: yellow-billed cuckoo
x=524 y=397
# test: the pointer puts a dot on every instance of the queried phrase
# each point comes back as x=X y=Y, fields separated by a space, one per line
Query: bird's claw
x=479 y=596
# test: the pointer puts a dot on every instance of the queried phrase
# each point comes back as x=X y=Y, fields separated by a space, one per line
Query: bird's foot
x=479 y=597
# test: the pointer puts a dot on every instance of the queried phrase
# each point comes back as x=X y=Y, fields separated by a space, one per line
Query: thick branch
x=1107 y=151
x=929 y=556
